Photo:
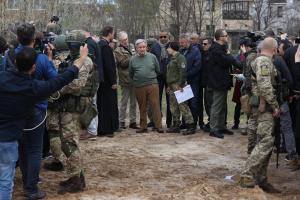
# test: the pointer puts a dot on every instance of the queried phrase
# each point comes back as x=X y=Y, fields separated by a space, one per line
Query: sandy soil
x=167 y=167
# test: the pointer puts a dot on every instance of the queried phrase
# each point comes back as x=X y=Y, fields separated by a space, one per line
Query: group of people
x=81 y=81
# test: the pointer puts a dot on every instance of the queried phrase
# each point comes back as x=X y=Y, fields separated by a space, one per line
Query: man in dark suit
x=107 y=102
x=220 y=81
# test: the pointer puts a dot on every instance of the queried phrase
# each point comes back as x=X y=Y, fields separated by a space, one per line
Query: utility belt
x=69 y=103
x=75 y=104
x=260 y=103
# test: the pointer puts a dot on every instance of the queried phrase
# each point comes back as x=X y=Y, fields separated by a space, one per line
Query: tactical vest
x=76 y=103
x=92 y=84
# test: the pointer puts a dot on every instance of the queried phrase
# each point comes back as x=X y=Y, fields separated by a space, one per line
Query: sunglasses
x=163 y=36
x=204 y=44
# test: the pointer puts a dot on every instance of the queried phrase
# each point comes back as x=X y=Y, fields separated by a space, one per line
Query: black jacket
x=219 y=67
x=284 y=70
x=289 y=58
x=18 y=95
x=156 y=50
x=108 y=61
x=204 y=76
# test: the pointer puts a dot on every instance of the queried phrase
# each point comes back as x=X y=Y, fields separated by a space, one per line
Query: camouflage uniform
x=255 y=171
x=70 y=123
x=176 y=77
x=252 y=122
x=52 y=122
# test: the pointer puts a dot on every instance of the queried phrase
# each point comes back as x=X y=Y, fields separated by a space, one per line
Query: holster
x=245 y=106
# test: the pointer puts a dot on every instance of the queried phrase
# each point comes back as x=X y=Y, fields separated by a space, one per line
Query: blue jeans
x=31 y=150
x=8 y=159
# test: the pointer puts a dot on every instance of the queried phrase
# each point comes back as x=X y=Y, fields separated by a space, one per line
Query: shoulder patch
x=265 y=70
x=182 y=65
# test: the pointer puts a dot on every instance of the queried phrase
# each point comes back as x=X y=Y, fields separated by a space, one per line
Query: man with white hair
x=143 y=70
x=193 y=69
x=264 y=107
x=123 y=53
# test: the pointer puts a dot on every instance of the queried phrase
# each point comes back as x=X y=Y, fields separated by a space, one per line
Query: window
x=210 y=5
x=279 y=11
x=13 y=4
x=174 y=5
x=238 y=10
x=39 y=4
x=210 y=30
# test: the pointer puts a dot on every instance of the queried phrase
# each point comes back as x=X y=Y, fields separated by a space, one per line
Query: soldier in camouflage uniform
x=264 y=107
x=251 y=55
x=176 y=80
x=71 y=105
x=52 y=123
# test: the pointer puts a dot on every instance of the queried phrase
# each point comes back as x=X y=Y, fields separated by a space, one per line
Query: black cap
x=174 y=46
x=54 y=18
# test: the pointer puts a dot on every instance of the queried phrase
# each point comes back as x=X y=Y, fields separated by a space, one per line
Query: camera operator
x=32 y=140
x=19 y=93
x=292 y=58
x=53 y=26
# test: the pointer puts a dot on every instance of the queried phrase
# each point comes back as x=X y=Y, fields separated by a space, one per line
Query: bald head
x=268 y=46
x=269 y=43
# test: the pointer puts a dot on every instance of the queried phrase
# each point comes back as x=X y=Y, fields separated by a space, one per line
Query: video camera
x=252 y=39
x=49 y=37
x=42 y=42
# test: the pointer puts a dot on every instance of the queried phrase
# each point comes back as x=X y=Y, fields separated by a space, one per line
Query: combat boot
x=64 y=183
x=268 y=188
x=247 y=182
x=191 y=129
x=174 y=129
x=54 y=166
x=73 y=185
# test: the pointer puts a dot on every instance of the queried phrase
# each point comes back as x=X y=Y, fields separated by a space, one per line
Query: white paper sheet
x=185 y=95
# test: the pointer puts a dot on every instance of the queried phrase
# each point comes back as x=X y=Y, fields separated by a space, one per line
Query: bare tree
x=137 y=17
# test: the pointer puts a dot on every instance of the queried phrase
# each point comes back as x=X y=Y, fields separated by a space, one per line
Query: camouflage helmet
x=60 y=43
x=76 y=36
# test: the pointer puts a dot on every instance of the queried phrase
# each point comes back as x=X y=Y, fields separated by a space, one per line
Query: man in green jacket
x=123 y=53
x=176 y=80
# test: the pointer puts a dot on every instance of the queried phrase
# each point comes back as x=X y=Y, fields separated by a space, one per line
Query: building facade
x=205 y=16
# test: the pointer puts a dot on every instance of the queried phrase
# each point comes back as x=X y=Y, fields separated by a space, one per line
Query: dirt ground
x=156 y=166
